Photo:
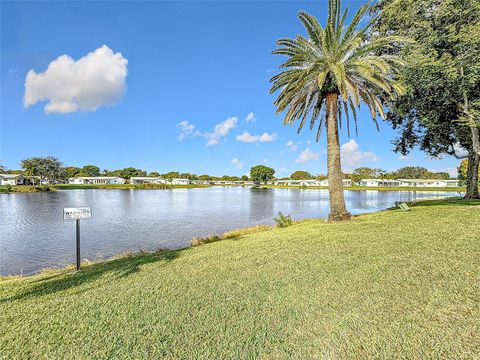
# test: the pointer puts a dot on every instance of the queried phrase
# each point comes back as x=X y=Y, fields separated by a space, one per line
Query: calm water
x=33 y=234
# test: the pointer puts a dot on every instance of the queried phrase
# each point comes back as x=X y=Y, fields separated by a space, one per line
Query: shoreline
x=32 y=189
x=199 y=241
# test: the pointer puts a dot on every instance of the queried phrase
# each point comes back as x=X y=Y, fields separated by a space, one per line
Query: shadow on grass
x=117 y=268
x=456 y=201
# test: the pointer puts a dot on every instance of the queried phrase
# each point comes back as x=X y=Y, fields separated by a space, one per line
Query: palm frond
x=337 y=58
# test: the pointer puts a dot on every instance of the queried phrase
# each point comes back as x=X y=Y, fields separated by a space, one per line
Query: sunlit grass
x=391 y=284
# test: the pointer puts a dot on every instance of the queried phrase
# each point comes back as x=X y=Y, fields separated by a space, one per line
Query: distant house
x=138 y=180
x=180 y=181
x=308 y=182
x=11 y=179
x=324 y=182
x=429 y=183
x=379 y=182
x=200 y=182
x=278 y=182
x=96 y=180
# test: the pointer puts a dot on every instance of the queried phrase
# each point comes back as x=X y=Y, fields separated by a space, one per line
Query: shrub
x=153 y=186
x=283 y=221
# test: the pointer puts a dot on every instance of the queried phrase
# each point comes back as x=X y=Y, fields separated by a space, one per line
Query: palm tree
x=330 y=73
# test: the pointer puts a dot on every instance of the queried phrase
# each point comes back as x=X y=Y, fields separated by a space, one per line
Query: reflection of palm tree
x=332 y=71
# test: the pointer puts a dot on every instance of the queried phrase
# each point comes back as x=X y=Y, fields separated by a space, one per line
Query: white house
x=180 y=181
x=96 y=180
x=324 y=182
x=429 y=182
x=137 y=180
x=11 y=179
x=309 y=182
x=200 y=182
x=379 y=182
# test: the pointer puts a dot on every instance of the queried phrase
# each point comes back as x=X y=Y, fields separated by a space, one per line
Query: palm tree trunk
x=472 y=176
x=338 y=210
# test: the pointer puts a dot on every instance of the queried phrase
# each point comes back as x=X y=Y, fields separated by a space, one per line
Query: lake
x=33 y=234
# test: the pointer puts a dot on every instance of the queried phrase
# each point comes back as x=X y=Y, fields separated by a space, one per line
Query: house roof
x=147 y=178
x=423 y=180
x=96 y=177
x=10 y=176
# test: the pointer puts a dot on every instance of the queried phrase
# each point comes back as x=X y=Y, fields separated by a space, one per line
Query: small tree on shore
x=261 y=174
x=301 y=175
x=46 y=168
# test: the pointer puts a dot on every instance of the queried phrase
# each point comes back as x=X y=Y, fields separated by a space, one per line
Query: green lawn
x=17 y=188
x=387 y=285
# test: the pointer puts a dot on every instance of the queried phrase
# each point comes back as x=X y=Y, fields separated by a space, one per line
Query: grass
x=386 y=285
x=232 y=234
x=18 y=188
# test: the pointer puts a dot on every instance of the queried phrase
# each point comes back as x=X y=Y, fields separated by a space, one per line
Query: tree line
x=407 y=172
x=51 y=168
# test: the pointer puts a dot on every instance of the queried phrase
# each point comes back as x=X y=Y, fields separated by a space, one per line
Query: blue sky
x=192 y=66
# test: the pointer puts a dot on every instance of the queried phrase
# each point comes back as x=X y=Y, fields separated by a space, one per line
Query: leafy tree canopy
x=261 y=173
x=171 y=175
x=91 y=170
x=301 y=175
x=47 y=168
x=447 y=39
x=127 y=173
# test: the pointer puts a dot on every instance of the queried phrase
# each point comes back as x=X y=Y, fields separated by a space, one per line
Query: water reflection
x=33 y=234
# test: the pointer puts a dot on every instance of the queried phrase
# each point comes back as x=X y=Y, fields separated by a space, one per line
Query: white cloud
x=237 y=164
x=459 y=150
x=352 y=156
x=307 y=155
x=92 y=81
x=406 y=157
x=291 y=145
x=266 y=137
x=250 y=117
x=186 y=129
x=247 y=137
x=219 y=132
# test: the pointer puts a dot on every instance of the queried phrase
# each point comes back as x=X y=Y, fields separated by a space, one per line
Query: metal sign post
x=78 y=244
x=77 y=214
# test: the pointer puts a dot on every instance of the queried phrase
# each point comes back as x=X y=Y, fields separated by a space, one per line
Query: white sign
x=77 y=213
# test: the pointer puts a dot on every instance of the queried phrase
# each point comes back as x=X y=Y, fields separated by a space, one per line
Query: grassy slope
x=388 y=285
x=18 y=188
